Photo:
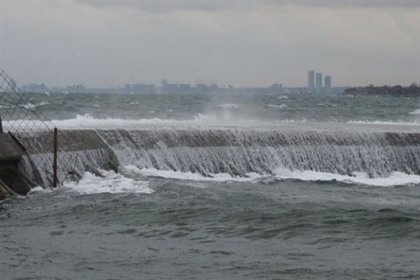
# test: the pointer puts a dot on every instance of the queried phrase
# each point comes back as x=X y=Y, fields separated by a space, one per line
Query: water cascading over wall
x=30 y=134
x=238 y=152
x=83 y=148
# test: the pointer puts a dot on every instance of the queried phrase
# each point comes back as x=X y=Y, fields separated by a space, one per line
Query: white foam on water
x=89 y=122
x=190 y=176
x=111 y=182
x=208 y=121
x=33 y=106
x=394 y=179
x=199 y=121
x=415 y=112
x=39 y=189
x=281 y=106
x=390 y=123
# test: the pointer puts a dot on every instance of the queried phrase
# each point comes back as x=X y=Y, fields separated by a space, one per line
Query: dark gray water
x=189 y=230
x=255 y=107
x=322 y=199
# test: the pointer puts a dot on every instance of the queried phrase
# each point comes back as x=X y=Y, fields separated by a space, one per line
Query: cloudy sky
x=238 y=42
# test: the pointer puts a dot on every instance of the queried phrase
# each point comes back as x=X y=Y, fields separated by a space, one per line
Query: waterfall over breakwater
x=238 y=152
x=79 y=151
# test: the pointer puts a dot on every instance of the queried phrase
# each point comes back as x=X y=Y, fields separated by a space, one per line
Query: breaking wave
x=280 y=174
x=108 y=182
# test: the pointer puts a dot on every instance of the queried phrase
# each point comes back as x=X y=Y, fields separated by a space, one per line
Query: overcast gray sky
x=243 y=43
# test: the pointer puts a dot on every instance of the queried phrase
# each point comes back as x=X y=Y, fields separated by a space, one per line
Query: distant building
x=76 y=89
x=327 y=84
x=311 y=81
x=34 y=88
x=140 y=88
x=318 y=82
x=275 y=89
x=169 y=88
x=184 y=88
x=143 y=88
x=214 y=88
x=201 y=88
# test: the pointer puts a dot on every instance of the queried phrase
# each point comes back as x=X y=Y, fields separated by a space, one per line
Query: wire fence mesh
x=28 y=126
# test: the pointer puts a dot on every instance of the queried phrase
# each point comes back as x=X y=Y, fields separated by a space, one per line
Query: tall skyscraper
x=327 y=84
x=311 y=81
x=318 y=82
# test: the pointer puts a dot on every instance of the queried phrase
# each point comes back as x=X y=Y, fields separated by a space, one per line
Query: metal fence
x=28 y=128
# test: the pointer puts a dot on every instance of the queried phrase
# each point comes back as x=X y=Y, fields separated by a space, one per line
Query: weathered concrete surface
x=85 y=147
x=10 y=152
x=68 y=140
x=5 y=190
x=11 y=181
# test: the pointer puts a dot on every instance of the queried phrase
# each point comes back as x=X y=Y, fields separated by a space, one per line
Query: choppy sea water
x=225 y=108
x=146 y=223
x=156 y=228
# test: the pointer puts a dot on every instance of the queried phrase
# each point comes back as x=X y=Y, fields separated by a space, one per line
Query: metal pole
x=55 y=159
x=1 y=126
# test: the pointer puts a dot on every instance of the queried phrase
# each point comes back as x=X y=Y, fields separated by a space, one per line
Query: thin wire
x=27 y=120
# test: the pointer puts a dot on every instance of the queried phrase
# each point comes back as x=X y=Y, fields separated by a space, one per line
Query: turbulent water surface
x=213 y=187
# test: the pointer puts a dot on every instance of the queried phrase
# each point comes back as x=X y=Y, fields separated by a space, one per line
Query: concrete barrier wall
x=9 y=151
x=10 y=179
x=80 y=151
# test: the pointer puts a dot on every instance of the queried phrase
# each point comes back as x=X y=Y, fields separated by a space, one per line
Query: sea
x=226 y=187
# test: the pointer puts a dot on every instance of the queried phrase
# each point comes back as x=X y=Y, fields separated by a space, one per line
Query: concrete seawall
x=80 y=151
x=28 y=162
x=11 y=181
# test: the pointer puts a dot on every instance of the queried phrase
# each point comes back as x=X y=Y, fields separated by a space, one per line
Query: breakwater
x=20 y=170
x=208 y=152
x=241 y=151
x=10 y=178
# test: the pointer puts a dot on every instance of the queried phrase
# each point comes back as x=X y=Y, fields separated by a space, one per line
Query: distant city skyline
x=171 y=87
x=243 y=43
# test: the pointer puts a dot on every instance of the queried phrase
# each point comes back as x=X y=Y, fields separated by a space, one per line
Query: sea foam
x=109 y=182
x=394 y=179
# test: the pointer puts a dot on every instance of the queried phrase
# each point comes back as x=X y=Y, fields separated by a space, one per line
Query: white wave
x=34 y=106
x=326 y=105
x=394 y=179
x=29 y=106
x=415 y=112
x=39 y=189
x=205 y=121
x=89 y=122
x=396 y=123
x=281 y=106
x=190 y=176
x=111 y=182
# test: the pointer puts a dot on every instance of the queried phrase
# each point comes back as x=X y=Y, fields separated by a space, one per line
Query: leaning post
x=55 y=159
